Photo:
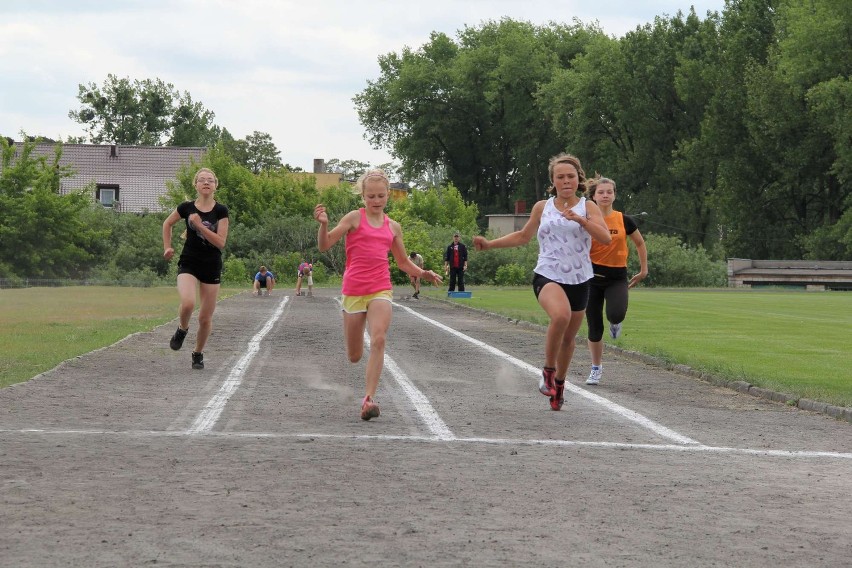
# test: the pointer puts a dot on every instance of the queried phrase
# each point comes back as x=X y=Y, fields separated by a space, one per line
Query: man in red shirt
x=455 y=263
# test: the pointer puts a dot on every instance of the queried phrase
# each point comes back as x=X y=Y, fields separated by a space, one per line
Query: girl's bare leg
x=555 y=304
x=186 y=284
x=379 y=314
x=353 y=335
x=209 y=293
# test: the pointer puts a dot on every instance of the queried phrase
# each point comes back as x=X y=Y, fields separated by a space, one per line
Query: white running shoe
x=594 y=376
x=615 y=330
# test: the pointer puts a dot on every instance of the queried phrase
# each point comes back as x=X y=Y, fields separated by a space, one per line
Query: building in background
x=130 y=179
x=505 y=223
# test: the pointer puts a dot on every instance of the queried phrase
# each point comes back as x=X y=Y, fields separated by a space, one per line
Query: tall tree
x=627 y=106
x=43 y=234
x=262 y=154
x=470 y=107
x=192 y=124
x=147 y=112
x=349 y=169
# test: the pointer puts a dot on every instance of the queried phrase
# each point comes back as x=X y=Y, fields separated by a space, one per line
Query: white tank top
x=563 y=246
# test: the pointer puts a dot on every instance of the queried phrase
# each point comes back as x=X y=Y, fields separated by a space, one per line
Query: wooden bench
x=809 y=274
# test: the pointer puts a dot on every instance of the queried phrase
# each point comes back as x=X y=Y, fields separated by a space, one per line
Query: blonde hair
x=374 y=173
x=204 y=170
x=565 y=158
x=593 y=183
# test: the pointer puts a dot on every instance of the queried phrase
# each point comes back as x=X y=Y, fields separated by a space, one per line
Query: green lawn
x=41 y=327
x=791 y=341
x=795 y=342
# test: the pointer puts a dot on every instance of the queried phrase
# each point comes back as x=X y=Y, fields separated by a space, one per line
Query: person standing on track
x=565 y=225
x=609 y=263
x=200 y=262
x=367 y=288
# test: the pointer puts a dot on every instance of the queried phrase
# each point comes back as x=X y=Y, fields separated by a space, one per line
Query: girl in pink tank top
x=367 y=287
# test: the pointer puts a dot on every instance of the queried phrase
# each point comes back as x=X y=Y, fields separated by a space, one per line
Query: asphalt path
x=128 y=457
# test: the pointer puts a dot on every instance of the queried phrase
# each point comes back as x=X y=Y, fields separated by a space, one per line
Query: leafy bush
x=483 y=266
x=672 y=263
x=512 y=275
x=235 y=272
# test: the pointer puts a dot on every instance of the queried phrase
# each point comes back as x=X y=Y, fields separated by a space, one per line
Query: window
x=107 y=194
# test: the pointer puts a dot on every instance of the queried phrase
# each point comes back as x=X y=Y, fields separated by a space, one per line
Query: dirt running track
x=127 y=457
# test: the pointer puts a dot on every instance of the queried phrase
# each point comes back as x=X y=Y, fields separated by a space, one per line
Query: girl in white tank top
x=563 y=246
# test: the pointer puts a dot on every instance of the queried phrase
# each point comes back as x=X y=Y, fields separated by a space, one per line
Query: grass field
x=790 y=341
x=41 y=327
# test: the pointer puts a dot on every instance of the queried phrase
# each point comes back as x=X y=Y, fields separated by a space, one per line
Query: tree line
x=46 y=234
x=731 y=132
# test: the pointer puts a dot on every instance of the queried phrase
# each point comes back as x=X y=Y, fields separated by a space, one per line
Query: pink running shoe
x=545 y=383
x=557 y=399
x=369 y=409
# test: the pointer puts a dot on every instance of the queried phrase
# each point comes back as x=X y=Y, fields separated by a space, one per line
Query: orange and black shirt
x=613 y=255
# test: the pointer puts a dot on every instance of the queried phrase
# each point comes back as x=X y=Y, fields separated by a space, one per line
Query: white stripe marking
x=429 y=439
x=208 y=416
x=421 y=404
x=626 y=413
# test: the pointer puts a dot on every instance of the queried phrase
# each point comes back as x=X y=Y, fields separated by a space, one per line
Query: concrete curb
x=838 y=412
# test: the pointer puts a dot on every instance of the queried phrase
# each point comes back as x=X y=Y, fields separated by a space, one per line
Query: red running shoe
x=545 y=383
x=369 y=409
x=557 y=399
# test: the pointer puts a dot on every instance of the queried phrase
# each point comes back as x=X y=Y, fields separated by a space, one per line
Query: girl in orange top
x=609 y=284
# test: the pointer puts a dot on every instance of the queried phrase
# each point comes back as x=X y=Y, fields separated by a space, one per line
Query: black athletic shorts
x=207 y=272
x=578 y=294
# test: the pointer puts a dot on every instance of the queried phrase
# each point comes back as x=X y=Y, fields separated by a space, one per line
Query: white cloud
x=289 y=68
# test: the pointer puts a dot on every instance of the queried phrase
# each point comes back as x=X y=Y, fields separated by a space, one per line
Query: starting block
x=459 y=294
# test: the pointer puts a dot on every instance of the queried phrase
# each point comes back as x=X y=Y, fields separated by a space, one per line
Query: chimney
x=520 y=207
x=113 y=151
x=319 y=166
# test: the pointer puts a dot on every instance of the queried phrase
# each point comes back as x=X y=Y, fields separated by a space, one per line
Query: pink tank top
x=367 y=268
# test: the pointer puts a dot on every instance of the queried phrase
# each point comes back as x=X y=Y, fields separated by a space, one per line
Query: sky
x=285 y=67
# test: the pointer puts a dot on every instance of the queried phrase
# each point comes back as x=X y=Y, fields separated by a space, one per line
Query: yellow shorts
x=358 y=304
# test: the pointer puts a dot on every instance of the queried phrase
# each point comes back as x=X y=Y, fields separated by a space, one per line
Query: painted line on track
x=625 y=413
x=427 y=412
x=208 y=416
x=678 y=448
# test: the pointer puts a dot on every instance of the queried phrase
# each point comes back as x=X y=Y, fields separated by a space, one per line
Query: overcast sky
x=286 y=67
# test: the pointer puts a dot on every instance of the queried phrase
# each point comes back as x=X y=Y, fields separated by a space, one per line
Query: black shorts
x=578 y=294
x=207 y=272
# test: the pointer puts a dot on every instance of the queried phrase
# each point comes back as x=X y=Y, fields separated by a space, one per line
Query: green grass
x=41 y=327
x=790 y=341
x=795 y=342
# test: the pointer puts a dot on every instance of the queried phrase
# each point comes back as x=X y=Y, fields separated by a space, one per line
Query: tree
x=261 y=153
x=147 y=112
x=43 y=234
x=470 y=107
x=632 y=110
x=192 y=124
x=256 y=151
x=348 y=169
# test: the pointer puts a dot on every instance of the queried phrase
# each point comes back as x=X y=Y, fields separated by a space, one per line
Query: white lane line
x=626 y=413
x=421 y=404
x=433 y=439
x=208 y=416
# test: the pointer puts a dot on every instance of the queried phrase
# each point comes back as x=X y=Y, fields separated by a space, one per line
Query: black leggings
x=613 y=292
